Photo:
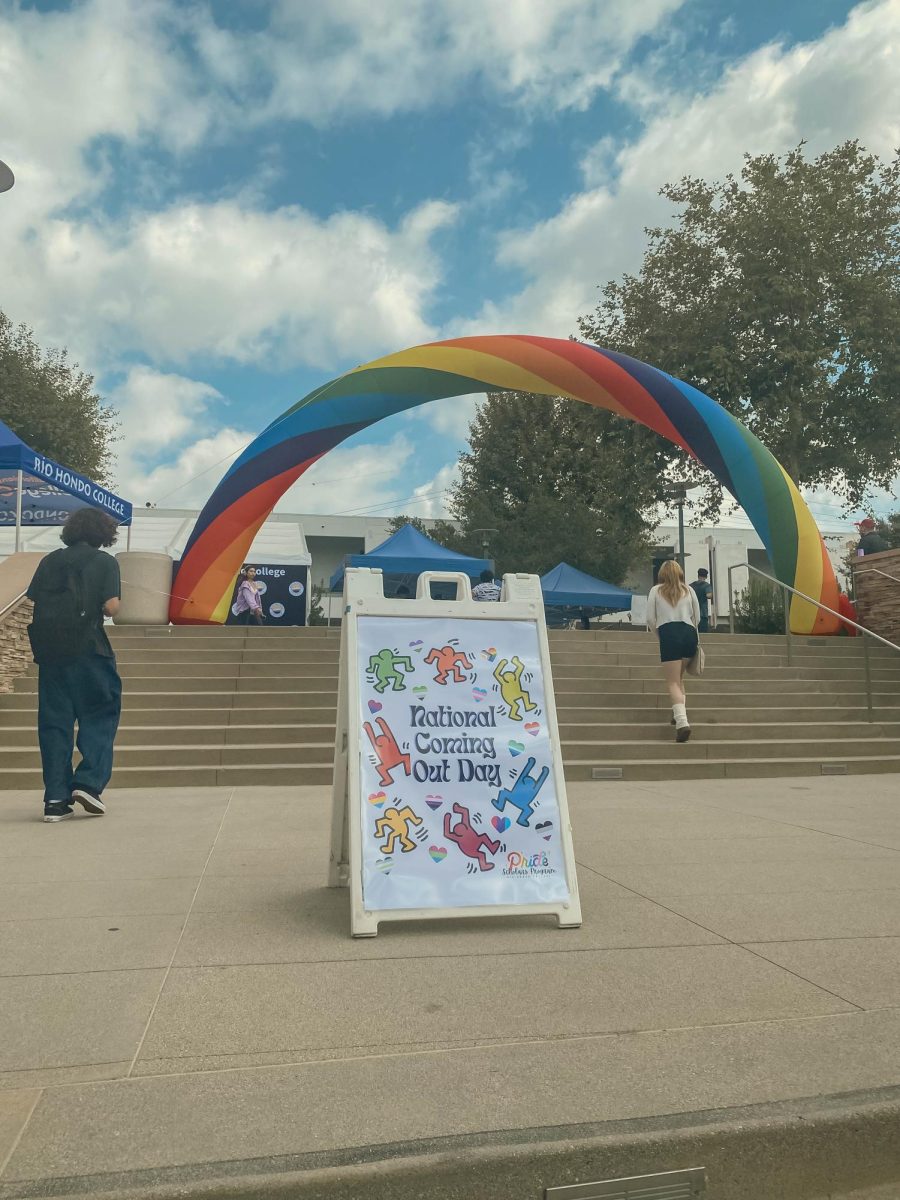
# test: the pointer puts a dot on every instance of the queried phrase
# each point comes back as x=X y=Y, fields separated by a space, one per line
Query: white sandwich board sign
x=449 y=798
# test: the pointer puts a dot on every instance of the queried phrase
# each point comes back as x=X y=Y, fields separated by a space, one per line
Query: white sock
x=679 y=712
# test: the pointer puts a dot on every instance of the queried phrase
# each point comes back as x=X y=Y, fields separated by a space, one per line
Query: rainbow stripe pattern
x=327 y=416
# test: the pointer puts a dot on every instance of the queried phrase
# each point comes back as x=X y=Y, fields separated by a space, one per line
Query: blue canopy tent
x=35 y=490
x=567 y=587
x=409 y=552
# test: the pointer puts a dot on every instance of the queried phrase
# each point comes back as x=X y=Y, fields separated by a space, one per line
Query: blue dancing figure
x=522 y=793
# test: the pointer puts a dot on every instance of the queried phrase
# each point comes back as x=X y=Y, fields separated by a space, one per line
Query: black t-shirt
x=872 y=543
x=704 y=591
x=100 y=582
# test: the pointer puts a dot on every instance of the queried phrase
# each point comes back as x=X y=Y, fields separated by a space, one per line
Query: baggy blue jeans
x=88 y=691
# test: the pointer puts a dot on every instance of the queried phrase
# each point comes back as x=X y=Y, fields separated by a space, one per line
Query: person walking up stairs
x=673 y=614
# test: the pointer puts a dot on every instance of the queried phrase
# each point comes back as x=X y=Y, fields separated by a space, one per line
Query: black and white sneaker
x=57 y=812
x=89 y=800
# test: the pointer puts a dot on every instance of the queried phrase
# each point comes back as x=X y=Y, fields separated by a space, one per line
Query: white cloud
x=238 y=284
x=157 y=409
x=188 y=481
x=846 y=84
x=430 y=500
x=101 y=69
x=321 y=62
x=351 y=479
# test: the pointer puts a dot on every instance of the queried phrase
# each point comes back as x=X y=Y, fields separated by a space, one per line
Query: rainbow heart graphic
x=516 y=748
x=490 y=653
x=417 y=645
x=420 y=690
x=434 y=802
x=377 y=798
x=533 y=728
x=384 y=865
x=374 y=706
x=478 y=694
x=501 y=824
x=438 y=853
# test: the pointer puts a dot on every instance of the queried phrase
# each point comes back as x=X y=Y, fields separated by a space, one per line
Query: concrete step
x=757 y=732
x=189 y=755
x=272 y=774
x=14 y=737
x=699 y=747
x=277 y=774
x=729 y=768
x=149 y=753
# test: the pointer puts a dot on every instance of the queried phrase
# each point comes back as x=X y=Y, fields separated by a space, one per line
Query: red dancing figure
x=447 y=660
x=469 y=840
x=389 y=753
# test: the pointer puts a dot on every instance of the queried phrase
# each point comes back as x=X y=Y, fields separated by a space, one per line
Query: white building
x=323 y=542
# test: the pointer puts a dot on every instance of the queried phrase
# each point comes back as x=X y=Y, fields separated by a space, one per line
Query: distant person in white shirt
x=487 y=589
x=673 y=614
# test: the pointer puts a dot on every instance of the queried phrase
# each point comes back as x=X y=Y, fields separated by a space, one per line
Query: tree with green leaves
x=51 y=404
x=778 y=293
x=559 y=481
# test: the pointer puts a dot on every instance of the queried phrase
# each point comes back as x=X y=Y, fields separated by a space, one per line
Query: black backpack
x=61 y=627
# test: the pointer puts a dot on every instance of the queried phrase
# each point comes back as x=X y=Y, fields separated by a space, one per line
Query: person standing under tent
x=248 y=606
x=72 y=590
x=487 y=588
x=673 y=614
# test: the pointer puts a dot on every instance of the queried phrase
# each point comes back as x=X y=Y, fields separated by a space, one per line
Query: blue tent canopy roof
x=409 y=552
x=43 y=481
x=566 y=585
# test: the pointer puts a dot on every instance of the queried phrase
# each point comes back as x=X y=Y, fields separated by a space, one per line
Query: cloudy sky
x=220 y=205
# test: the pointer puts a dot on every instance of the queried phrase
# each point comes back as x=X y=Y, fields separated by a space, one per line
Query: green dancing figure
x=385 y=666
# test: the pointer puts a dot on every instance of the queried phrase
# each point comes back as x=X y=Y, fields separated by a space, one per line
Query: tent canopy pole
x=19 y=485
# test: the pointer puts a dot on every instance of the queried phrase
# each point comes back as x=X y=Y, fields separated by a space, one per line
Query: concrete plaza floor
x=180 y=998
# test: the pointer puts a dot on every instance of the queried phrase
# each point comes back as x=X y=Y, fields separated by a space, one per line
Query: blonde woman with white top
x=673 y=614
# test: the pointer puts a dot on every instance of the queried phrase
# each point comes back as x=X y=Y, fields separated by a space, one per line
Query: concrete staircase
x=207 y=706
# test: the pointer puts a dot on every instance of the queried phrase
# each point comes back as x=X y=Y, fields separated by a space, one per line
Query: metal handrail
x=786 y=587
x=12 y=604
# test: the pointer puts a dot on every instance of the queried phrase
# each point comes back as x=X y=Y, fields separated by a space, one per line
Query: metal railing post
x=787 y=625
x=731 y=628
x=868 y=666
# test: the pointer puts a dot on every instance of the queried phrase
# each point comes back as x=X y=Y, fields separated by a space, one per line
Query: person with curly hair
x=72 y=590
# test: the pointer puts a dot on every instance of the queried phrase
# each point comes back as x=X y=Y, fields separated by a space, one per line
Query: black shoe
x=57 y=812
x=89 y=800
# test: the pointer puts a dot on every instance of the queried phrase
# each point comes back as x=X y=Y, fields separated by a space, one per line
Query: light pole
x=678 y=492
x=484 y=541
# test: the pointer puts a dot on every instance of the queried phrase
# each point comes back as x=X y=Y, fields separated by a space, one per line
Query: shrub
x=759 y=608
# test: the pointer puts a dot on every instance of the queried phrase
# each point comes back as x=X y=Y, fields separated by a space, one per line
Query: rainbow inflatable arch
x=247 y=494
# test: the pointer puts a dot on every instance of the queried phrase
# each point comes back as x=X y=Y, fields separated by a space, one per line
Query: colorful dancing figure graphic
x=447 y=662
x=470 y=841
x=395 y=823
x=389 y=754
x=514 y=695
x=523 y=793
x=385 y=666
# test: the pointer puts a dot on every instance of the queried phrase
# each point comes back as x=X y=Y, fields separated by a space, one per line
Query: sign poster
x=282 y=593
x=458 y=801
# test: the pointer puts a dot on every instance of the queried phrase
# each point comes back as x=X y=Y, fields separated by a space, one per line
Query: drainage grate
x=606 y=773
x=671 y=1185
x=834 y=768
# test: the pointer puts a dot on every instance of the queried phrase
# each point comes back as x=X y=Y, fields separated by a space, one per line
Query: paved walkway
x=178 y=986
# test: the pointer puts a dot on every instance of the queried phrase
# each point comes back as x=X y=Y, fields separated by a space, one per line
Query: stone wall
x=15 y=652
x=878 y=598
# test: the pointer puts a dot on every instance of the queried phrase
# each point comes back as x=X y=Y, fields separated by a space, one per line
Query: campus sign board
x=449 y=796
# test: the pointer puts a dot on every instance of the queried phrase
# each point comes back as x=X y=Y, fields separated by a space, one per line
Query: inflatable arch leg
x=553 y=367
